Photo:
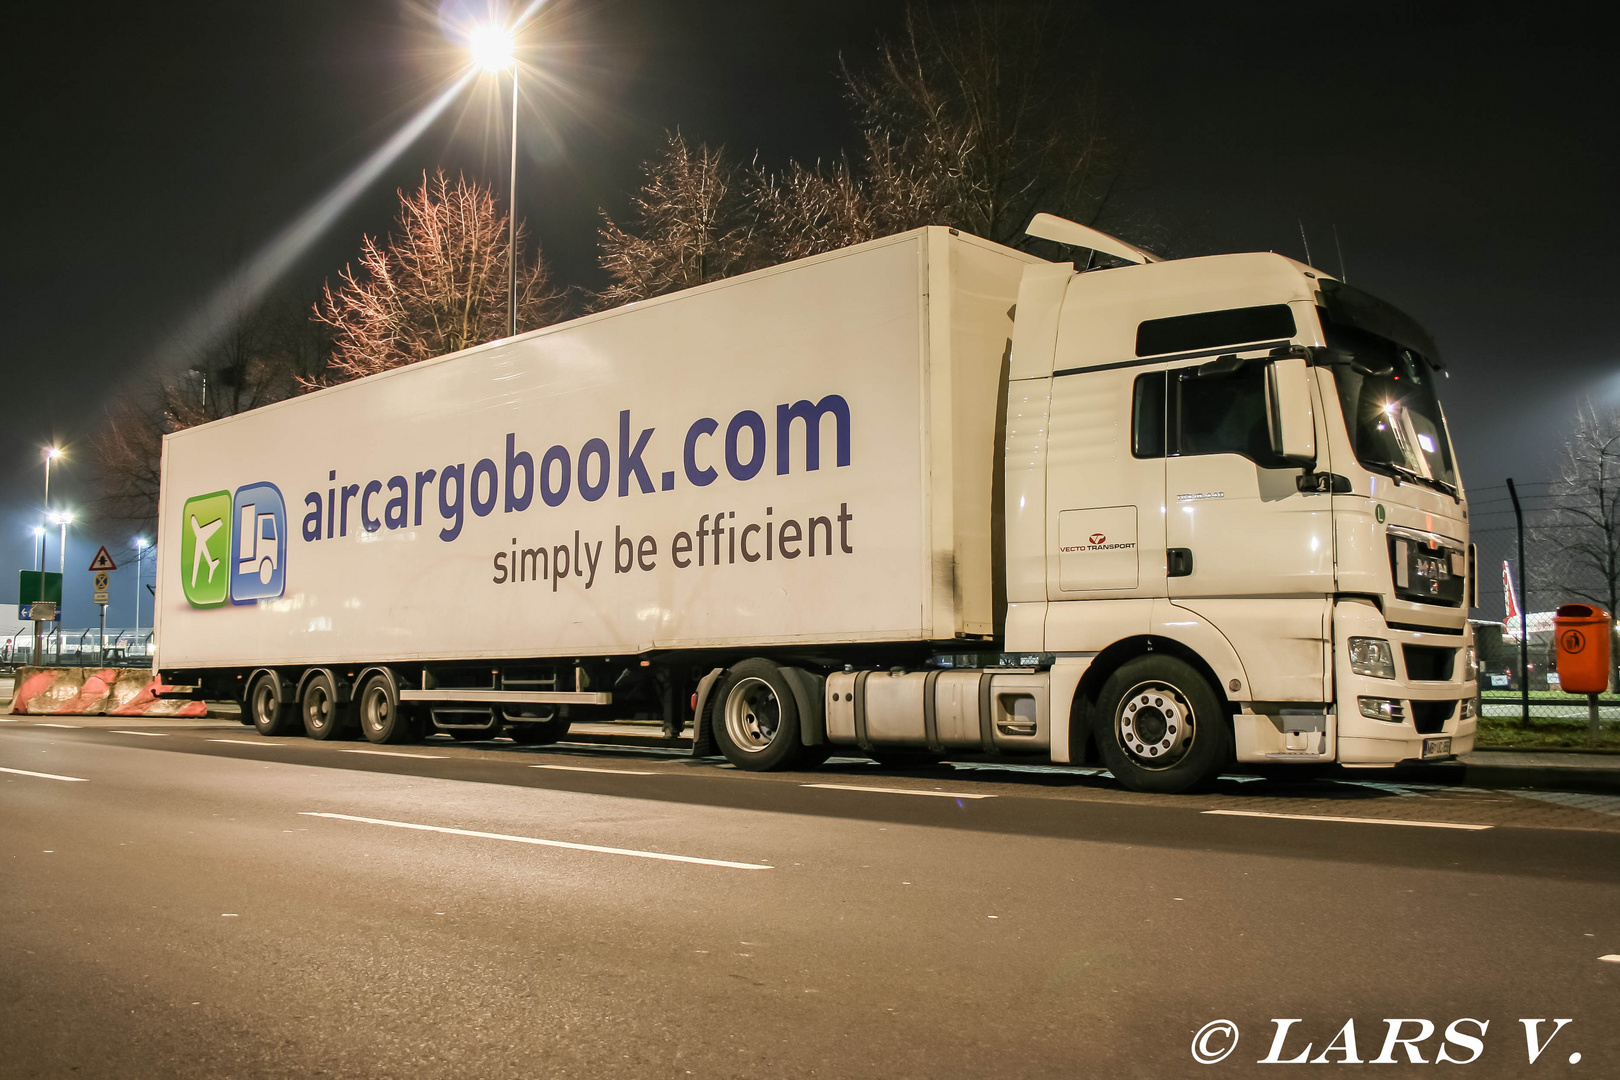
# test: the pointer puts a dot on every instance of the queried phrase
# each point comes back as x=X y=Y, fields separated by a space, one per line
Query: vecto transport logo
x=234 y=548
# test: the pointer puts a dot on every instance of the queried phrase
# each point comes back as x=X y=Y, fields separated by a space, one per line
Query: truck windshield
x=1394 y=419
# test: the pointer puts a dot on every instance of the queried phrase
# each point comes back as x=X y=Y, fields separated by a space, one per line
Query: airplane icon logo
x=233 y=548
x=199 y=540
x=205 y=543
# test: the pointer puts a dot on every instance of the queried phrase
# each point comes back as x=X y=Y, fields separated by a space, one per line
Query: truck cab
x=1230 y=493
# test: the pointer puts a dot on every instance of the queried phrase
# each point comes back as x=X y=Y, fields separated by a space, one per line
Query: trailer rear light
x=1377 y=708
x=694 y=703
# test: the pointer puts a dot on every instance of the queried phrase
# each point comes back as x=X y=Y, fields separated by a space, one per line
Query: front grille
x=1429 y=663
x=1429 y=717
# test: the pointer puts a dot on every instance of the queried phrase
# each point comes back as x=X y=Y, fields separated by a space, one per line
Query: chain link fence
x=1550 y=718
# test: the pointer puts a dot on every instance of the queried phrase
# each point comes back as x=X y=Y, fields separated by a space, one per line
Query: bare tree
x=260 y=360
x=438 y=285
x=979 y=117
x=1581 y=530
x=692 y=222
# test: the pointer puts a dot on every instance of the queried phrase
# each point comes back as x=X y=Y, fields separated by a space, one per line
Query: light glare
x=491 y=47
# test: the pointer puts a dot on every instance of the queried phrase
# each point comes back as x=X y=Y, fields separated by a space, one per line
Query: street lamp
x=492 y=50
x=140 y=553
x=63 y=519
x=49 y=454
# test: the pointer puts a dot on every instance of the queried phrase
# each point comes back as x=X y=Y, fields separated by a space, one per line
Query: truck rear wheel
x=1160 y=727
x=269 y=715
x=381 y=718
x=755 y=719
x=324 y=718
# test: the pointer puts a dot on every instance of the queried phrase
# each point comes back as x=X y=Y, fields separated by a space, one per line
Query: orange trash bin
x=1582 y=633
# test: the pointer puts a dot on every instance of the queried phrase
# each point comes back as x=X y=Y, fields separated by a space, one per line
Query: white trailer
x=921 y=496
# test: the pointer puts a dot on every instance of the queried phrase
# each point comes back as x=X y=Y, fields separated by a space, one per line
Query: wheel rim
x=1155 y=725
x=376 y=710
x=753 y=715
x=264 y=705
x=317 y=708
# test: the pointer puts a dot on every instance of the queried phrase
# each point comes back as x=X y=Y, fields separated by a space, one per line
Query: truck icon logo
x=259 y=556
x=234 y=548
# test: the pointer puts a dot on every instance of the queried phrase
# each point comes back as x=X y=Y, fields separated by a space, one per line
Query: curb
x=1540 y=777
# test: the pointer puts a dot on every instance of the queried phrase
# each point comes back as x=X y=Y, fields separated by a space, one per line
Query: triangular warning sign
x=102 y=561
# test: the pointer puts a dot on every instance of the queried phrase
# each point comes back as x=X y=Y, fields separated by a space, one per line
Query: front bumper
x=1424 y=708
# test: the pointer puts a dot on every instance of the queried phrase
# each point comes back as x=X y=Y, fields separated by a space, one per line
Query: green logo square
x=205 y=549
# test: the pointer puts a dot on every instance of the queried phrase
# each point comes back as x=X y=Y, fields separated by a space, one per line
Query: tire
x=324 y=718
x=755 y=720
x=382 y=718
x=1160 y=727
x=538 y=733
x=264 y=709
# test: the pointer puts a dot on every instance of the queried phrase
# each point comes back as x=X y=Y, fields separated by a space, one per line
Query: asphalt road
x=192 y=900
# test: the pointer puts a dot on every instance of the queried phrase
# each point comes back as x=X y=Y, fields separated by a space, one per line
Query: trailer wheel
x=269 y=715
x=324 y=718
x=1160 y=726
x=756 y=722
x=382 y=720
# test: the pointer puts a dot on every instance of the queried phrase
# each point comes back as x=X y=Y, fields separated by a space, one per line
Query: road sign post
x=100 y=566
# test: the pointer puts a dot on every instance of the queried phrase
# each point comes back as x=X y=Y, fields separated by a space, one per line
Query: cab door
x=1237 y=523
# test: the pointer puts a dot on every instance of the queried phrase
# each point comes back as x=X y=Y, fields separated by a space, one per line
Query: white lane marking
x=1613 y=958
x=9 y=720
x=903 y=791
x=584 y=768
x=75 y=727
x=148 y=734
x=46 y=775
x=246 y=742
x=392 y=753
x=542 y=843
x=1354 y=820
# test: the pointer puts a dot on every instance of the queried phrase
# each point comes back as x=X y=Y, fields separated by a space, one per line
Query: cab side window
x=1180 y=413
x=1223 y=414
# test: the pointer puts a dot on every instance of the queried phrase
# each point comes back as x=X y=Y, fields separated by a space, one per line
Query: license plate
x=1436 y=747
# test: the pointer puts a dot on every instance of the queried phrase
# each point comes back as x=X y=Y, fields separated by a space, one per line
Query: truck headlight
x=1371 y=656
x=1377 y=708
x=1470 y=664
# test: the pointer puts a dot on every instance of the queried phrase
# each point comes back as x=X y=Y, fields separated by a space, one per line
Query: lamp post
x=39 y=635
x=49 y=454
x=140 y=553
x=64 y=520
x=492 y=51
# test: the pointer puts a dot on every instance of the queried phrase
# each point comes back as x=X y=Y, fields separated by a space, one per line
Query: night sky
x=1466 y=159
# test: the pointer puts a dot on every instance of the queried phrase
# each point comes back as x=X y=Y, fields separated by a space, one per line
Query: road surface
x=192 y=900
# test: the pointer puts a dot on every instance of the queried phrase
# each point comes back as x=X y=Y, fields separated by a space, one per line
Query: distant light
x=491 y=47
x=39 y=530
x=52 y=453
x=62 y=519
x=140 y=543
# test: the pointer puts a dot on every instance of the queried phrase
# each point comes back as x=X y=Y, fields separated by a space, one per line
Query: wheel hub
x=752 y=715
x=1155 y=724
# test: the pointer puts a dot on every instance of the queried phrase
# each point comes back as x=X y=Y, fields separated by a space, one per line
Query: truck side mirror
x=1288 y=403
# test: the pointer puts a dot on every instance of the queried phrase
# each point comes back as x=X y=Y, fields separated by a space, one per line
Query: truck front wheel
x=755 y=720
x=1160 y=727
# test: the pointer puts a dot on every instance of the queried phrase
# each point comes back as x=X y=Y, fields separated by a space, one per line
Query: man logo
x=1098 y=539
x=254 y=567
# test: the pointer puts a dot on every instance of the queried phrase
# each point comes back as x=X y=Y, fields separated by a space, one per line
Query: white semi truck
x=919 y=497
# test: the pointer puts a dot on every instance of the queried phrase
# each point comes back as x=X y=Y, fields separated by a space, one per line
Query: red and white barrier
x=72 y=691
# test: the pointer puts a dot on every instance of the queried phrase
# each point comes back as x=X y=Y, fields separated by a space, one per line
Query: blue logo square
x=259 y=551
